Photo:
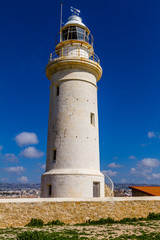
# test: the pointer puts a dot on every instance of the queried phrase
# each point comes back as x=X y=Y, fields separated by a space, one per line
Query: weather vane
x=75 y=11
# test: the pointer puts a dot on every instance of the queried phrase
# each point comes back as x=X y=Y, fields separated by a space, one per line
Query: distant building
x=145 y=191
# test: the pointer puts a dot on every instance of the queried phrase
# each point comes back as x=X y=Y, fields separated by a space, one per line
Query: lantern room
x=76 y=30
x=74 y=39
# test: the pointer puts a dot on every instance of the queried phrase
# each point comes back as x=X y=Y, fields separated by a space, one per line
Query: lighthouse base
x=71 y=185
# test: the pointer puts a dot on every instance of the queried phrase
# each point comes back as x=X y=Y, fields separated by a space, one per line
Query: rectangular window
x=49 y=190
x=53 y=155
x=57 y=90
x=92 y=118
x=96 y=189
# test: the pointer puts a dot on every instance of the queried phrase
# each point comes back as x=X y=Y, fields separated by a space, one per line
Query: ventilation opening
x=96 y=189
x=57 y=90
x=92 y=118
x=49 y=190
x=54 y=155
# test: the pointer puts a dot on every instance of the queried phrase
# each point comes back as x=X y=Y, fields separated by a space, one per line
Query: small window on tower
x=49 y=190
x=96 y=189
x=92 y=116
x=54 y=156
x=57 y=90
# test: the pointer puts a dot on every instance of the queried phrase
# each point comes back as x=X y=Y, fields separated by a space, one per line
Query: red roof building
x=145 y=190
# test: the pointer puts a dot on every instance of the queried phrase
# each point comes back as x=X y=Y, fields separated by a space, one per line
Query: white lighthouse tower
x=72 y=164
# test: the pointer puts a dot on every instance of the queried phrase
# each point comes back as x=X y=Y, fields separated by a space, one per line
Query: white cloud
x=1 y=147
x=16 y=170
x=145 y=167
x=23 y=179
x=132 y=157
x=133 y=171
x=144 y=144
x=145 y=172
x=4 y=179
x=10 y=157
x=123 y=180
x=31 y=152
x=26 y=138
x=114 y=165
x=43 y=166
x=156 y=175
x=151 y=134
x=109 y=173
x=149 y=162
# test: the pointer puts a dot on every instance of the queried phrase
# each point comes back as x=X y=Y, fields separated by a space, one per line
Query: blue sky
x=127 y=41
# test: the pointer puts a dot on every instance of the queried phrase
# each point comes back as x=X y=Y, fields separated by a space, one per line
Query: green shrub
x=144 y=236
x=32 y=236
x=97 y=222
x=153 y=216
x=35 y=223
x=66 y=235
x=55 y=222
x=128 y=220
x=39 y=223
x=102 y=221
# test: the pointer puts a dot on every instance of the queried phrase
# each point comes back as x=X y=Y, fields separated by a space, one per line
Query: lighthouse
x=72 y=161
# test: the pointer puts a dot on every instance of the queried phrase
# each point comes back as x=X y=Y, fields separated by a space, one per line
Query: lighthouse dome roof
x=74 y=19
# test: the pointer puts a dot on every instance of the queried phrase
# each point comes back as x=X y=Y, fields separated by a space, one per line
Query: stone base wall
x=18 y=212
x=108 y=191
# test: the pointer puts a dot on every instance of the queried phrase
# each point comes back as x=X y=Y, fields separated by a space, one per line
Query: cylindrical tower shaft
x=72 y=165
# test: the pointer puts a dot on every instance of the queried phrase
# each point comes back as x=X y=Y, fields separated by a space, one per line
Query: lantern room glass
x=75 y=33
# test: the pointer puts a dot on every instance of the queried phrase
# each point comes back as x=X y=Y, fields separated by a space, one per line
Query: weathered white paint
x=70 y=131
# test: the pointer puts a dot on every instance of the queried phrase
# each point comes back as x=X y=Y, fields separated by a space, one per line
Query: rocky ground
x=138 y=230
